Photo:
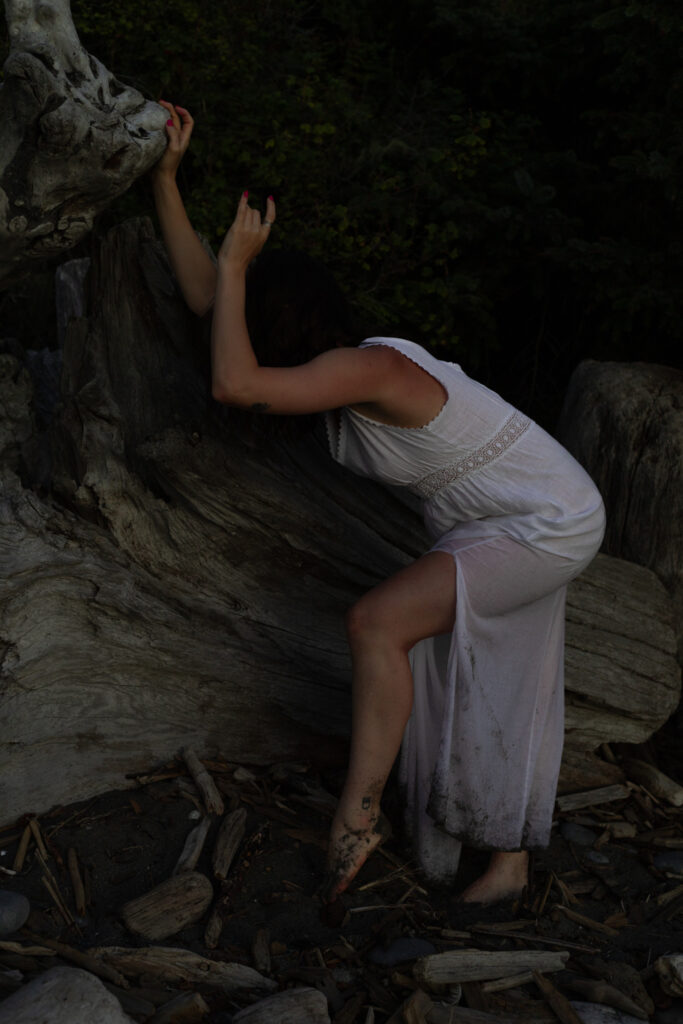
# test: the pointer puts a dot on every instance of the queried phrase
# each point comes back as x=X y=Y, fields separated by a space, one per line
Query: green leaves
x=500 y=180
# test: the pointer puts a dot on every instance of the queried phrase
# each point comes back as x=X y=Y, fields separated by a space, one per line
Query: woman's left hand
x=247 y=235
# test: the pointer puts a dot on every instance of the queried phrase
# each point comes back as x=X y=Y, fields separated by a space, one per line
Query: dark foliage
x=498 y=179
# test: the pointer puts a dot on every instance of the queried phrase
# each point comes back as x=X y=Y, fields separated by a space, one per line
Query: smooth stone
x=669 y=860
x=578 y=834
x=596 y=1013
x=595 y=857
x=14 y=911
x=400 y=950
x=63 y=995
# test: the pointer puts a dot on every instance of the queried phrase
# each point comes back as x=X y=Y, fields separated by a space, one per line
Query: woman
x=478 y=621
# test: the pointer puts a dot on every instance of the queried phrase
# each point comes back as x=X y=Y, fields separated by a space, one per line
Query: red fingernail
x=271 y=197
x=245 y=194
x=169 y=123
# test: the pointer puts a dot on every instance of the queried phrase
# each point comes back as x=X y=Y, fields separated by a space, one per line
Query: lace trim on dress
x=513 y=428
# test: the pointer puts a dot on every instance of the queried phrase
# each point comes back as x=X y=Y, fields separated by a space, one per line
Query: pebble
x=14 y=911
x=669 y=860
x=400 y=950
x=578 y=834
x=595 y=857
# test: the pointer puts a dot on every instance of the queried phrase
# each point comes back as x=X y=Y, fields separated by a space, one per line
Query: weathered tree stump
x=72 y=137
x=171 y=580
x=624 y=423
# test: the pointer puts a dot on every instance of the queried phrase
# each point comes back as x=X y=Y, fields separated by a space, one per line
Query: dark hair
x=295 y=309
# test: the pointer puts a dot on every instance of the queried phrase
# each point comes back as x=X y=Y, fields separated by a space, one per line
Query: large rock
x=63 y=995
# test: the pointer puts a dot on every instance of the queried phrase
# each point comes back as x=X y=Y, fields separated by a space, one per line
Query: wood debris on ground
x=194 y=897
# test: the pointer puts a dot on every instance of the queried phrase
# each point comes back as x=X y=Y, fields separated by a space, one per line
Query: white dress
x=481 y=752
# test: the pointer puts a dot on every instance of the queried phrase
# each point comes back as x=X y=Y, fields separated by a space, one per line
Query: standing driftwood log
x=624 y=423
x=171 y=580
x=72 y=137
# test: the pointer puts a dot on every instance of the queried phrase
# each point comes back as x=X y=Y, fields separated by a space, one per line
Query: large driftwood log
x=624 y=423
x=72 y=137
x=184 y=583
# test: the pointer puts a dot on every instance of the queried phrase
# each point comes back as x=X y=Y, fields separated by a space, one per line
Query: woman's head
x=295 y=309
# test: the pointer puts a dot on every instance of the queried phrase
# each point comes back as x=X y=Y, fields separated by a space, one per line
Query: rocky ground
x=608 y=893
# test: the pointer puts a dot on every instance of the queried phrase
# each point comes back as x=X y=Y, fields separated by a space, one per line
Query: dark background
x=497 y=179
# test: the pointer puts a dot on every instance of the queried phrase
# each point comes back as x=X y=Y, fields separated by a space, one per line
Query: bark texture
x=72 y=137
x=173 y=581
x=624 y=423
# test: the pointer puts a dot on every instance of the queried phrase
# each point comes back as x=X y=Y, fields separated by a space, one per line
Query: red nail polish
x=245 y=194
x=169 y=123
x=271 y=198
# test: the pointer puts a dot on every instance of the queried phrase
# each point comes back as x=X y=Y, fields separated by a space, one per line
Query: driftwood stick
x=594 y=990
x=230 y=835
x=38 y=836
x=560 y=1005
x=503 y=984
x=175 y=964
x=16 y=947
x=214 y=927
x=58 y=901
x=587 y=922
x=414 y=1010
x=205 y=784
x=187 y=1008
x=459 y=965
x=76 y=881
x=170 y=906
x=22 y=849
x=194 y=844
x=656 y=782
x=441 y=1013
x=592 y=797
x=89 y=963
x=260 y=951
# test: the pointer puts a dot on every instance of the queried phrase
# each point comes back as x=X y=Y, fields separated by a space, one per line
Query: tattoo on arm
x=260 y=406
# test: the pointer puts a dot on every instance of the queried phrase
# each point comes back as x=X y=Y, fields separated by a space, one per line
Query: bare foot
x=506 y=877
x=348 y=849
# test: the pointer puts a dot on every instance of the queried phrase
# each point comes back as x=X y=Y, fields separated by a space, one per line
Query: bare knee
x=369 y=621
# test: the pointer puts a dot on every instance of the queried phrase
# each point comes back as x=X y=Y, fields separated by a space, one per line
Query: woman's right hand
x=178 y=129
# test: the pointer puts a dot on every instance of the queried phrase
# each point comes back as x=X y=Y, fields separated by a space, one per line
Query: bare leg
x=505 y=878
x=417 y=602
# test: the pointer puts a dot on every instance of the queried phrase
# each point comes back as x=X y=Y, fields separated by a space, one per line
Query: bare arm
x=191 y=264
x=338 y=377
